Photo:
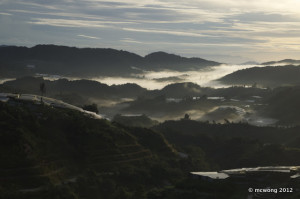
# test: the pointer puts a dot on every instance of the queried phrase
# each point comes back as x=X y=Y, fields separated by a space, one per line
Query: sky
x=228 y=31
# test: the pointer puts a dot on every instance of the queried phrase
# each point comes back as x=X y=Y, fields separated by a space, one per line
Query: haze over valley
x=149 y=99
x=160 y=85
x=153 y=71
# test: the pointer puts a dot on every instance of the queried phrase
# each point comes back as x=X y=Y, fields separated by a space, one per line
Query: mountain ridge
x=284 y=61
x=92 y=62
x=268 y=76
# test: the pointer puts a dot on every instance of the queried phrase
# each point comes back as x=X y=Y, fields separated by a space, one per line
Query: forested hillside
x=60 y=153
x=269 y=76
x=89 y=62
x=49 y=152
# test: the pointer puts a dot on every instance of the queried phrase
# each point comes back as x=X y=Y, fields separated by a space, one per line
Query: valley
x=161 y=132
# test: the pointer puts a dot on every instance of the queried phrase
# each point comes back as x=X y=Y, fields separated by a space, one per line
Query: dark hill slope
x=162 y=60
x=75 y=92
x=42 y=148
x=64 y=60
x=284 y=105
x=235 y=145
x=284 y=61
x=83 y=62
x=266 y=76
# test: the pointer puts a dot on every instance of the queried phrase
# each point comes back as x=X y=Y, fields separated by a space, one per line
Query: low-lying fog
x=157 y=80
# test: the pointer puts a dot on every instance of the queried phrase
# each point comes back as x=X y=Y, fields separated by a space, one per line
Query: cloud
x=129 y=40
x=39 y=4
x=68 y=23
x=89 y=37
x=170 y=32
x=188 y=27
x=4 y=13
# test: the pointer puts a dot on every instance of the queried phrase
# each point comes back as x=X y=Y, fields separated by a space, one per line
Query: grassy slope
x=42 y=147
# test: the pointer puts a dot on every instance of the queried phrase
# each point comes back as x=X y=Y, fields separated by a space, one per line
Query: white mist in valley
x=157 y=80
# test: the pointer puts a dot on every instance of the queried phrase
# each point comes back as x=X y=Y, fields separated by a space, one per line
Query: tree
x=42 y=88
x=186 y=117
x=91 y=107
x=204 y=97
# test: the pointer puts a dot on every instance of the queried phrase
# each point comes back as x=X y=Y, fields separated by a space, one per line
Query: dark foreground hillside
x=59 y=153
x=51 y=152
x=235 y=145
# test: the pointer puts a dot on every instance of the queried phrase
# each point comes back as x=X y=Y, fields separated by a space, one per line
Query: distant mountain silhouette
x=250 y=63
x=71 y=61
x=162 y=60
x=284 y=61
x=265 y=76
